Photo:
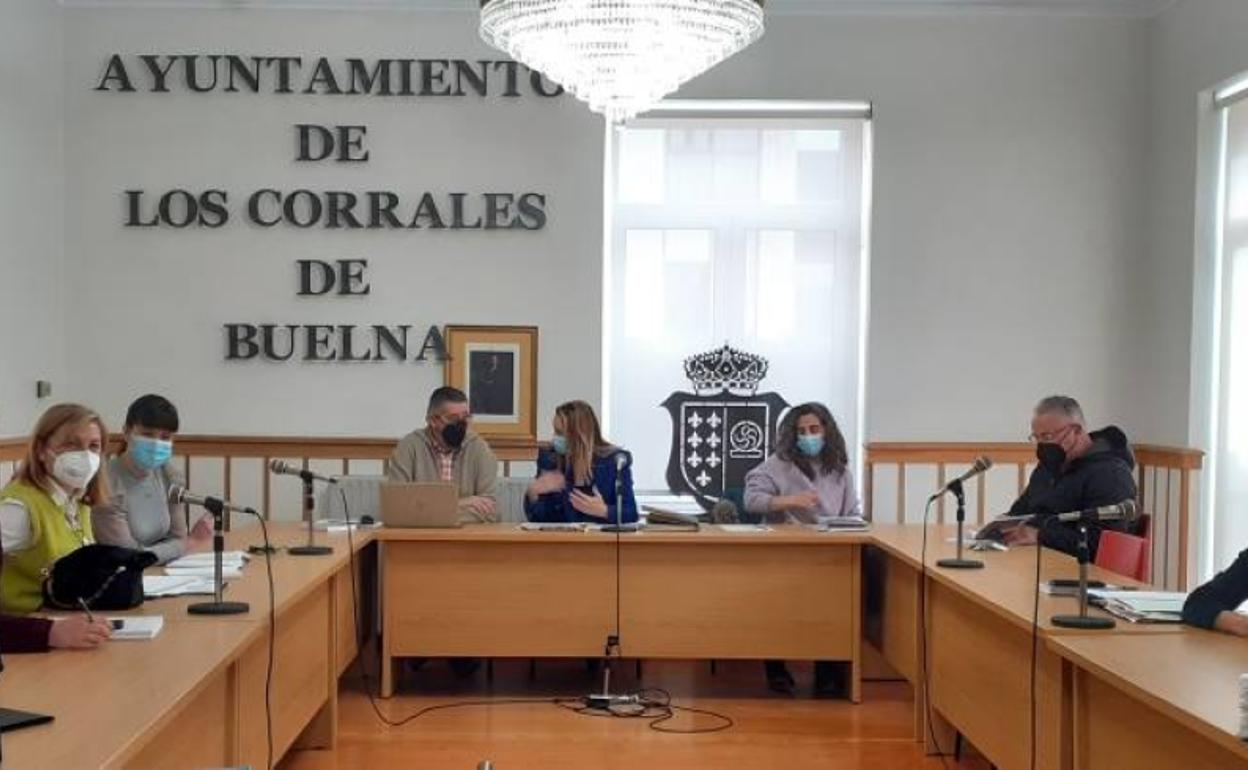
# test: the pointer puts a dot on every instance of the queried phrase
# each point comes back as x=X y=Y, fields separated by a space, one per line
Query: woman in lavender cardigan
x=806 y=480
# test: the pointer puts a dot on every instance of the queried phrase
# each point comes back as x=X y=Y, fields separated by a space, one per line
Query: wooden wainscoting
x=900 y=475
x=236 y=467
x=231 y=464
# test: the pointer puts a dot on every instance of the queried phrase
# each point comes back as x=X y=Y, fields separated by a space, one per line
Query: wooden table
x=1136 y=696
x=498 y=591
x=980 y=643
x=194 y=695
x=1156 y=702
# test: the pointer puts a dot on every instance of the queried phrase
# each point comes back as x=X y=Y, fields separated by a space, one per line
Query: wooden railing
x=237 y=467
x=898 y=474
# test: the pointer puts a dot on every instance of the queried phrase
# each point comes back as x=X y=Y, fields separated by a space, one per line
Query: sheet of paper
x=137 y=626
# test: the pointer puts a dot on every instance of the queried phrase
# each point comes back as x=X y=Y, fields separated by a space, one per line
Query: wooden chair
x=1122 y=553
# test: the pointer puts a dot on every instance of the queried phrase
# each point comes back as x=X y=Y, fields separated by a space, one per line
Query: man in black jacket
x=1076 y=470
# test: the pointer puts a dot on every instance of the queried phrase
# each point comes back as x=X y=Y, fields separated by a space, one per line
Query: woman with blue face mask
x=806 y=480
x=577 y=479
x=139 y=514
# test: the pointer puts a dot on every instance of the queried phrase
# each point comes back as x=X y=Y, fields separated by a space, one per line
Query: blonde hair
x=585 y=440
x=55 y=419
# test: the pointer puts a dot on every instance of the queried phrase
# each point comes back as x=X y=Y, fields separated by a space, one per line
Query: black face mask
x=1051 y=457
x=453 y=434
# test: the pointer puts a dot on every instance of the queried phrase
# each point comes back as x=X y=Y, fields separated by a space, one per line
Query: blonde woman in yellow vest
x=45 y=513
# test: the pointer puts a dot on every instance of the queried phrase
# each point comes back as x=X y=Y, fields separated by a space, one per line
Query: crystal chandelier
x=621 y=56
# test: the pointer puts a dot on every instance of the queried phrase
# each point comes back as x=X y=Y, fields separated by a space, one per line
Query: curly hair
x=831 y=459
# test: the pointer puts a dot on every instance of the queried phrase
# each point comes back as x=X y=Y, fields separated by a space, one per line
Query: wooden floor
x=770 y=731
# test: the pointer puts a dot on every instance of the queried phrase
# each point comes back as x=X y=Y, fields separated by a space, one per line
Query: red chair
x=1124 y=554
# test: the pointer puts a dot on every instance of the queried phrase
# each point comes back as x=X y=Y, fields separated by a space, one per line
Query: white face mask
x=74 y=470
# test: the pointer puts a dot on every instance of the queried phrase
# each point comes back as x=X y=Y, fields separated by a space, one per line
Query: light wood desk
x=1161 y=702
x=194 y=695
x=497 y=591
x=980 y=643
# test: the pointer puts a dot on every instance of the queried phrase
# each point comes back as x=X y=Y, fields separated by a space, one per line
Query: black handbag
x=104 y=577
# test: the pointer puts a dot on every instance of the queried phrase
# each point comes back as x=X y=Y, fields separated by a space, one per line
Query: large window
x=733 y=229
x=1229 y=467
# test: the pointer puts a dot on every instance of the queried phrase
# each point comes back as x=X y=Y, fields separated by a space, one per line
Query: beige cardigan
x=475 y=468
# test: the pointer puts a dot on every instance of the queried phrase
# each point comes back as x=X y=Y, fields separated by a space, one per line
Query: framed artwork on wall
x=496 y=366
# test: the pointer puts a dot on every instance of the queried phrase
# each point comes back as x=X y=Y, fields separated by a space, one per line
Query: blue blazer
x=556 y=506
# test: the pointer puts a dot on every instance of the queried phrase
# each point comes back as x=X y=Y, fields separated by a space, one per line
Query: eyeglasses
x=1050 y=437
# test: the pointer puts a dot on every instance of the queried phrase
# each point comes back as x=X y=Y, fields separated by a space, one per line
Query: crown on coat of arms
x=725 y=369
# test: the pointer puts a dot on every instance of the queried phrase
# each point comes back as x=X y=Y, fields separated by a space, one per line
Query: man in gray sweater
x=445 y=450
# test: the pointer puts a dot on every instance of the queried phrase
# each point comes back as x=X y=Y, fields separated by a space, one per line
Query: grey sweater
x=777 y=478
x=474 y=467
x=139 y=515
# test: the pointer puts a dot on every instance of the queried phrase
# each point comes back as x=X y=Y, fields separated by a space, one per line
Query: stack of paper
x=137 y=627
x=201 y=565
x=1141 y=606
x=156 y=586
x=843 y=524
x=744 y=528
x=340 y=525
x=553 y=526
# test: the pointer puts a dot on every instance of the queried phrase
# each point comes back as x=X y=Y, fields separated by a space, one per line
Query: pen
x=82 y=603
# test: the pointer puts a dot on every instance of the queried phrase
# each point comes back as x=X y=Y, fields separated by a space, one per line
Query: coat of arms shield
x=722 y=429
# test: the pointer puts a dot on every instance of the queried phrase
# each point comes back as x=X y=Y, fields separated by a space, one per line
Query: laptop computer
x=419 y=506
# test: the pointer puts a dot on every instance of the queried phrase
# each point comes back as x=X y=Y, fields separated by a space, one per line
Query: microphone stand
x=218 y=606
x=1083 y=620
x=606 y=700
x=959 y=562
x=309 y=506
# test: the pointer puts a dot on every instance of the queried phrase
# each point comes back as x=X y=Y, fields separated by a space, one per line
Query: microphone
x=724 y=512
x=182 y=496
x=980 y=464
x=1124 y=511
x=284 y=468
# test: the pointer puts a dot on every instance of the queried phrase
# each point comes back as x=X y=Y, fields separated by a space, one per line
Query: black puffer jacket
x=1103 y=476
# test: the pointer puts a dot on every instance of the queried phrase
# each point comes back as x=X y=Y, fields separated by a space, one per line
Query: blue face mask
x=559 y=444
x=150 y=453
x=810 y=445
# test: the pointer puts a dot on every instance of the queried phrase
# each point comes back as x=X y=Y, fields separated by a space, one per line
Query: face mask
x=74 y=470
x=810 y=445
x=453 y=434
x=1051 y=457
x=559 y=444
x=150 y=453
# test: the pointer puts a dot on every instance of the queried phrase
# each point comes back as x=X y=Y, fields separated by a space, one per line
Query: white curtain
x=1230 y=524
x=743 y=231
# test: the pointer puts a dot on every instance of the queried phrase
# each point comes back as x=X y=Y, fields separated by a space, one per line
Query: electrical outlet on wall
x=43 y=389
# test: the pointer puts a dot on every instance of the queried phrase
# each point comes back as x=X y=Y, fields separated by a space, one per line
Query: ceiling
x=1138 y=8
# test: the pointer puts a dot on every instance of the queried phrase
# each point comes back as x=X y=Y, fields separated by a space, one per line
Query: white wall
x=31 y=210
x=1009 y=186
x=1194 y=46
x=152 y=303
